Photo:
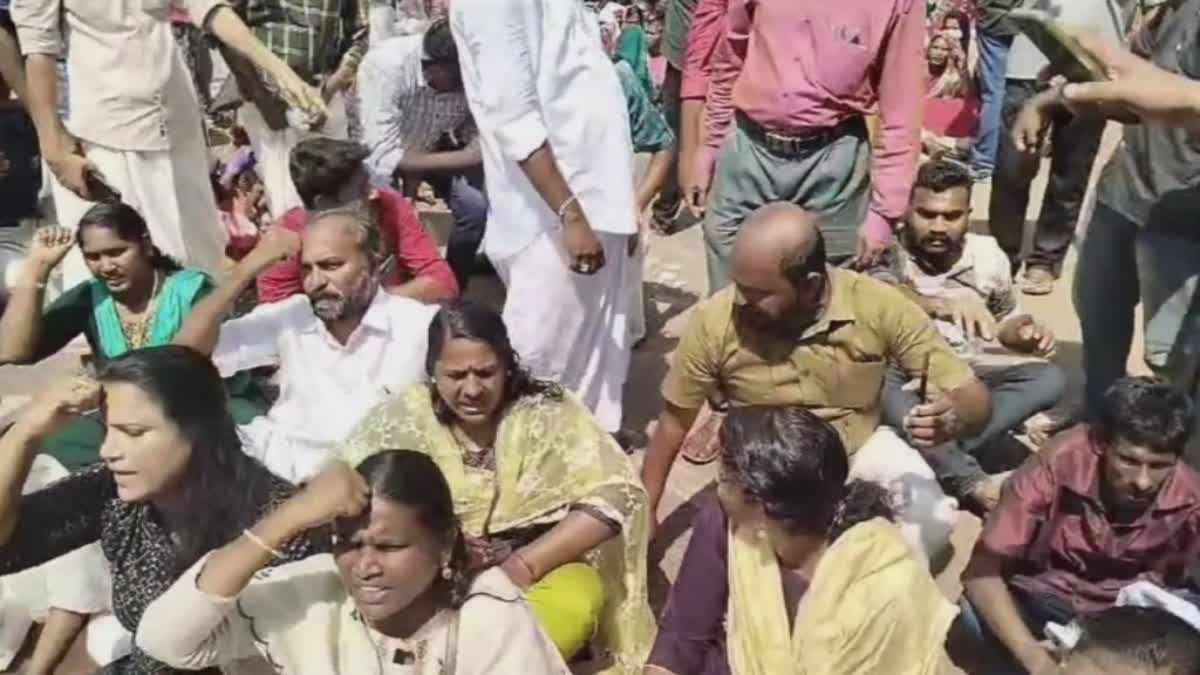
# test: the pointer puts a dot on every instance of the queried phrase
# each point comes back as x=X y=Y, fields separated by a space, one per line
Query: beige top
x=301 y=620
x=129 y=86
x=835 y=368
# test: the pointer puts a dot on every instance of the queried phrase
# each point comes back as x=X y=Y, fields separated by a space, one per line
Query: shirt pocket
x=841 y=54
x=850 y=384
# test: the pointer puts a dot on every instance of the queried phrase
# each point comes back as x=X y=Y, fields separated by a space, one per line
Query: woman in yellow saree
x=541 y=490
x=794 y=572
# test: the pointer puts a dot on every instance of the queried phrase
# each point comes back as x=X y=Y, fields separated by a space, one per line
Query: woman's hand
x=337 y=492
x=519 y=571
x=61 y=404
x=50 y=245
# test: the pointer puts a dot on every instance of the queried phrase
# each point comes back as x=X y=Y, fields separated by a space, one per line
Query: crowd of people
x=294 y=443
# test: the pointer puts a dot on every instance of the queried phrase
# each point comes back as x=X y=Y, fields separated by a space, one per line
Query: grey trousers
x=832 y=180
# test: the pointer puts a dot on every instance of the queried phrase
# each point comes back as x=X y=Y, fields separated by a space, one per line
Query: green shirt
x=676 y=26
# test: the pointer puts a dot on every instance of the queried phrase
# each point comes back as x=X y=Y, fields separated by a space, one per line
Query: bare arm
x=541 y=169
x=654 y=178
x=12 y=71
x=566 y=542
x=441 y=162
x=21 y=325
x=202 y=327
x=59 y=632
x=989 y=594
x=229 y=28
x=672 y=427
x=973 y=408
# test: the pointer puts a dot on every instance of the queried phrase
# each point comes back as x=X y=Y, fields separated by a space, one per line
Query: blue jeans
x=993 y=63
x=468 y=205
x=1017 y=392
x=1120 y=265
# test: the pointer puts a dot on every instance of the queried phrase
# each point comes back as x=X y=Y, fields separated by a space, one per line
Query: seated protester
x=138 y=297
x=341 y=348
x=412 y=96
x=174 y=483
x=1102 y=506
x=397 y=590
x=793 y=330
x=795 y=571
x=1135 y=641
x=962 y=280
x=542 y=491
x=242 y=202
x=329 y=173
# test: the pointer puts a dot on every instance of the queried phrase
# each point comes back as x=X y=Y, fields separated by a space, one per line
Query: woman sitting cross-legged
x=794 y=572
x=541 y=490
x=137 y=298
x=395 y=597
x=174 y=482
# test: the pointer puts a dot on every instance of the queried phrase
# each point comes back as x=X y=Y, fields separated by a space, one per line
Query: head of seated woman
x=170 y=441
x=115 y=243
x=473 y=369
x=404 y=558
x=783 y=475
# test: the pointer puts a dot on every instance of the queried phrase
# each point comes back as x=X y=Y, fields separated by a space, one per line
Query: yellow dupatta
x=871 y=609
x=550 y=455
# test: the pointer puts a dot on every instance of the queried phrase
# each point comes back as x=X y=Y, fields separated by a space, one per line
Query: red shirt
x=1052 y=528
x=408 y=240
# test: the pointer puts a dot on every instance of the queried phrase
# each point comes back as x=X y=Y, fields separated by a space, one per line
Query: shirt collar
x=1180 y=490
x=840 y=307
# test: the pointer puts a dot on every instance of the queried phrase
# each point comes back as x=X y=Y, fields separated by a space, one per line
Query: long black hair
x=475 y=321
x=223 y=490
x=412 y=479
x=129 y=226
x=794 y=465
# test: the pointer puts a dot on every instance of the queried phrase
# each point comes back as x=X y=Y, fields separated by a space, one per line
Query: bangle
x=257 y=541
x=516 y=555
x=562 y=208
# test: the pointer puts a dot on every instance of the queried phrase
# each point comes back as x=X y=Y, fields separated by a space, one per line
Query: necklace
x=136 y=327
x=474 y=456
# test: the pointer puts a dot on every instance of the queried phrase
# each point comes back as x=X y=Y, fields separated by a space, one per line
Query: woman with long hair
x=396 y=596
x=543 y=492
x=137 y=297
x=951 y=104
x=174 y=482
x=794 y=571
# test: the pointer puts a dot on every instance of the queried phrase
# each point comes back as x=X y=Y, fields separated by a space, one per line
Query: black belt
x=791 y=145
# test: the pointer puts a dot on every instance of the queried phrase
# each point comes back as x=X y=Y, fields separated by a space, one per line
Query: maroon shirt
x=691 y=638
x=1053 y=529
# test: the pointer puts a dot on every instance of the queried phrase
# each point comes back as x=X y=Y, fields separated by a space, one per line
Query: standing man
x=558 y=160
x=134 y=119
x=412 y=98
x=323 y=41
x=1075 y=140
x=995 y=39
x=797 y=132
x=669 y=209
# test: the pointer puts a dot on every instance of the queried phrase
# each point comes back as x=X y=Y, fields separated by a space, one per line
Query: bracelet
x=257 y=541
x=562 y=208
x=516 y=555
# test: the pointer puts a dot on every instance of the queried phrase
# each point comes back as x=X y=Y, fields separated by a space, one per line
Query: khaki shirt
x=836 y=367
x=129 y=86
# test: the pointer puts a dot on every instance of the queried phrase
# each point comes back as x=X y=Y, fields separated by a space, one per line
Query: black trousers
x=1074 y=144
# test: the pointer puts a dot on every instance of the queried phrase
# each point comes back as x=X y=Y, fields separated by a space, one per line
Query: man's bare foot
x=986 y=493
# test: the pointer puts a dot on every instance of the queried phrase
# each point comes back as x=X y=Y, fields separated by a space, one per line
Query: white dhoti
x=78 y=582
x=273 y=150
x=170 y=189
x=925 y=515
x=571 y=328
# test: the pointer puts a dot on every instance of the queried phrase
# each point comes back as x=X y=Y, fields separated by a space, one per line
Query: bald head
x=778 y=237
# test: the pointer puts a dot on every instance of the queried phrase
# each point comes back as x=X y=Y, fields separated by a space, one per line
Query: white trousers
x=79 y=582
x=273 y=150
x=925 y=515
x=170 y=189
x=571 y=328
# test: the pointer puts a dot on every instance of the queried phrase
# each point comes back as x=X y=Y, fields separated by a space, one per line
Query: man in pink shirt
x=789 y=86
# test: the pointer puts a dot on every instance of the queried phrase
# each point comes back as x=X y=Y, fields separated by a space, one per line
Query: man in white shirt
x=342 y=347
x=411 y=96
x=558 y=162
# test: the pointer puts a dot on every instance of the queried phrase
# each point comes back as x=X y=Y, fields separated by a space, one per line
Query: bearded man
x=341 y=348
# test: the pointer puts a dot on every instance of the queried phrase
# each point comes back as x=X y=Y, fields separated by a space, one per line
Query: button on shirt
x=1052 y=528
x=534 y=73
x=835 y=368
x=400 y=112
x=129 y=86
x=793 y=67
x=325 y=387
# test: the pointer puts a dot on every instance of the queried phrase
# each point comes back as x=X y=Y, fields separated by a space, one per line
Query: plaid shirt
x=314 y=37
